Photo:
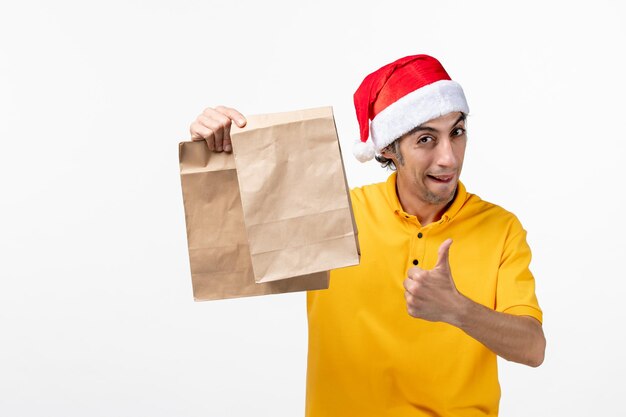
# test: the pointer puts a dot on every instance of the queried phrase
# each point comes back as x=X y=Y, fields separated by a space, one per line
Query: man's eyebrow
x=418 y=128
x=461 y=118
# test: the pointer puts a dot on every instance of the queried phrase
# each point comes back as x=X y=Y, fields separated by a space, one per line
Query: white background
x=96 y=311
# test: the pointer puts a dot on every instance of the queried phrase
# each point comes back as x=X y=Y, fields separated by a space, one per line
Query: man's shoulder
x=370 y=193
x=478 y=208
x=477 y=203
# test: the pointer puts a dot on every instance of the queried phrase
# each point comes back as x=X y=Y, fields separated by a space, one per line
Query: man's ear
x=384 y=152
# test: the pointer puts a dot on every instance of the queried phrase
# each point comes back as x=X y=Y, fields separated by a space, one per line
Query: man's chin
x=442 y=196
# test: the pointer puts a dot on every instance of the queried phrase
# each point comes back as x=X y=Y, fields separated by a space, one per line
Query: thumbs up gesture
x=431 y=294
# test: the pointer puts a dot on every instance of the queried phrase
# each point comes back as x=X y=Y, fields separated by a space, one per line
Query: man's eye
x=458 y=131
x=424 y=139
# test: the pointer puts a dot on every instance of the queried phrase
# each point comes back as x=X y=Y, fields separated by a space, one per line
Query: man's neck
x=426 y=213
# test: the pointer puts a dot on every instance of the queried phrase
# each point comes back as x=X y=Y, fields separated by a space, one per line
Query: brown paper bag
x=296 y=204
x=218 y=248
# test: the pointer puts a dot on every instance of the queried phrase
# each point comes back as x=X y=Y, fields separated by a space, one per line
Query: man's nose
x=445 y=155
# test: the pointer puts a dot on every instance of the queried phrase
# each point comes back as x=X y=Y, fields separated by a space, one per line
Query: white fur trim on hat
x=424 y=104
x=363 y=151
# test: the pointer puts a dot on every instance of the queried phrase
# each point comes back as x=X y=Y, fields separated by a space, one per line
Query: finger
x=443 y=255
x=222 y=141
x=228 y=146
x=409 y=298
x=200 y=132
x=412 y=306
x=415 y=272
x=232 y=114
x=411 y=286
x=203 y=132
x=210 y=141
x=217 y=122
x=196 y=130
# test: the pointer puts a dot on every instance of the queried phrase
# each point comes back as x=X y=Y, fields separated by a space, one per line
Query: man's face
x=432 y=158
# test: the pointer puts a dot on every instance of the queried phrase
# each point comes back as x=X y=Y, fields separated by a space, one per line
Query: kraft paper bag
x=218 y=247
x=296 y=204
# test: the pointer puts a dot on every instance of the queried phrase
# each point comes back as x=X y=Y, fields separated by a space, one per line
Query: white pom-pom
x=363 y=151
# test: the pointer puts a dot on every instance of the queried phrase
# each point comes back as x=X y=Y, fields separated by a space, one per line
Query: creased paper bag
x=296 y=203
x=218 y=248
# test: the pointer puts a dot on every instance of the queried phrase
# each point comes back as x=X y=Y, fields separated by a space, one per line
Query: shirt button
x=415 y=261
x=419 y=235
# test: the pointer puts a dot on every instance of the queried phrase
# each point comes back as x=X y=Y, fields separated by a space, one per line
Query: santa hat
x=401 y=96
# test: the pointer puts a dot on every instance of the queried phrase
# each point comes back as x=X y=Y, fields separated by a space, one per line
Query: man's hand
x=432 y=295
x=213 y=126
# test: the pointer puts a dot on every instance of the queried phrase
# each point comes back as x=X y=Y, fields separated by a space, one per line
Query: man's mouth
x=443 y=179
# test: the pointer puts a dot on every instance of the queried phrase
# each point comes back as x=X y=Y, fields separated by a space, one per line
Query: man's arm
x=515 y=338
x=432 y=295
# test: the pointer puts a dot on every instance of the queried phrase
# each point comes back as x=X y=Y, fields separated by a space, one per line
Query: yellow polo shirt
x=368 y=357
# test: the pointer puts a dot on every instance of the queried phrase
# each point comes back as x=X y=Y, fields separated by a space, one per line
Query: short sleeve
x=515 y=293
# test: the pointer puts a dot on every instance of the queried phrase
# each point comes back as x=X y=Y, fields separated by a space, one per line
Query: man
x=443 y=285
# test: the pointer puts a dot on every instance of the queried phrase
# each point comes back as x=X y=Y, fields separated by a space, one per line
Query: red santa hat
x=401 y=96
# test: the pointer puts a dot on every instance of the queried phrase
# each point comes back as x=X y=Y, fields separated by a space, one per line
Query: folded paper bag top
x=296 y=203
x=220 y=242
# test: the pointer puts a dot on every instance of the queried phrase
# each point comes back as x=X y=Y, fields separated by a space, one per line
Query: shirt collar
x=394 y=202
